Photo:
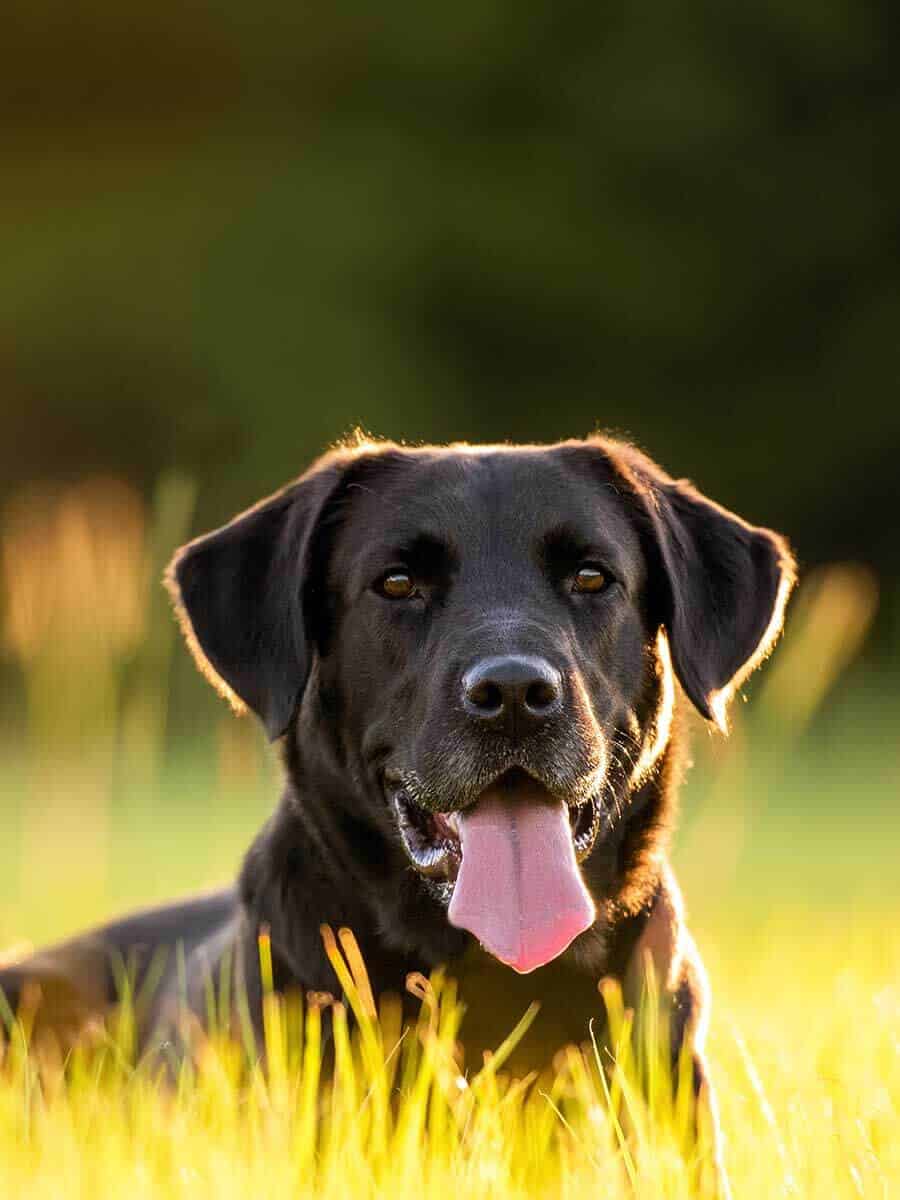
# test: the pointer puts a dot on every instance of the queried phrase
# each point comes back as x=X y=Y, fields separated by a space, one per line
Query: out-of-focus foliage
x=228 y=233
x=231 y=231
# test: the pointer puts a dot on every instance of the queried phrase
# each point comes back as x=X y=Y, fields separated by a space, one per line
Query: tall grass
x=809 y=1097
x=802 y=941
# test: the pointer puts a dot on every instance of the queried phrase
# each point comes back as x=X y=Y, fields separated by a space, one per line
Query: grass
x=787 y=856
x=806 y=1061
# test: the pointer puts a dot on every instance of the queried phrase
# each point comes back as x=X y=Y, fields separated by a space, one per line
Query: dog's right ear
x=239 y=595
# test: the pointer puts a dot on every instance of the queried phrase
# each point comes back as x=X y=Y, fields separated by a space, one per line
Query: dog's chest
x=496 y=998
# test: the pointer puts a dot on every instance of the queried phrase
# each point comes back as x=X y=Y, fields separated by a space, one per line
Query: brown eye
x=590 y=579
x=397 y=585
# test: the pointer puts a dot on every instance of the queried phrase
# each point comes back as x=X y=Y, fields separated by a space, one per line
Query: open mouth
x=511 y=865
x=432 y=839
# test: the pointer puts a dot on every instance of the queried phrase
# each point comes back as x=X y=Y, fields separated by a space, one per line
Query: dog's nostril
x=506 y=690
x=541 y=696
x=486 y=697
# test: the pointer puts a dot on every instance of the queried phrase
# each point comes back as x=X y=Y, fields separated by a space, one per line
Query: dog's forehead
x=465 y=497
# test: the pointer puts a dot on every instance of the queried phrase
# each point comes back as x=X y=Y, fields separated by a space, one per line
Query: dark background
x=230 y=232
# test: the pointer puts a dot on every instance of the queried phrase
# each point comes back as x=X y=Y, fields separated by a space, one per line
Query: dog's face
x=487 y=635
x=489 y=624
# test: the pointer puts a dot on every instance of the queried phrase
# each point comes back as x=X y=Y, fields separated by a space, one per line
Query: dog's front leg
x=665 y=970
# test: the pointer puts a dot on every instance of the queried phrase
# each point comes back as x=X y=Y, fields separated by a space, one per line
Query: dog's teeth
x=453 y=821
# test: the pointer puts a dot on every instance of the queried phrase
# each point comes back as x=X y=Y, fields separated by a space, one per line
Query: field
x=787 y=855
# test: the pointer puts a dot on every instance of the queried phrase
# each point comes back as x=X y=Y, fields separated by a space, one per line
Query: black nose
x=512 y=691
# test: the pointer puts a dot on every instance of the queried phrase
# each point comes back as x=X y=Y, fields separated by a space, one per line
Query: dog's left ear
x=241 y=596
x=720 y=585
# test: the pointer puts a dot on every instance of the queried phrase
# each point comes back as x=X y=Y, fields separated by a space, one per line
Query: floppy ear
x=723 y=588
x=239 y=596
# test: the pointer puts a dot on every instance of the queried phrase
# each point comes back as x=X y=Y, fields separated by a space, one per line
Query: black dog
x=469 y=656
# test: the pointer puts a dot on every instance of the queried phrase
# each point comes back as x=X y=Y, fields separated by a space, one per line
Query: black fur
x=282 y=610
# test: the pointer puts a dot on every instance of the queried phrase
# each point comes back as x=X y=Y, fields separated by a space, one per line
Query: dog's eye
x=396 y=585
x=590 y=578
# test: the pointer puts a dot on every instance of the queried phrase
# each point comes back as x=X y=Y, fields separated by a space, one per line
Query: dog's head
x=485 y=638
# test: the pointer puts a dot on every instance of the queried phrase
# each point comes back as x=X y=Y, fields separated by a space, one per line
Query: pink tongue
x=519 y=889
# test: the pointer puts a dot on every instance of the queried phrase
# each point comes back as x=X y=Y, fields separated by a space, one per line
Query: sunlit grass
x=808 y=1080
x=787 y=857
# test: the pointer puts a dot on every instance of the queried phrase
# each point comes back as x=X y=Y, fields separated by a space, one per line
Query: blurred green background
x=230 y=233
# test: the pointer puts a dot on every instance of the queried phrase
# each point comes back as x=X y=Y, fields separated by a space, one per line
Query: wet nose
x=513 y=692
